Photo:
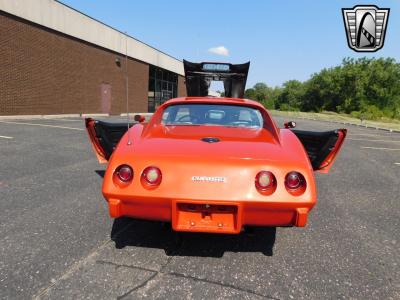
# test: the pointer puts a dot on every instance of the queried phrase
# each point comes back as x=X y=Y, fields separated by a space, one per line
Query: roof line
x=113 y=28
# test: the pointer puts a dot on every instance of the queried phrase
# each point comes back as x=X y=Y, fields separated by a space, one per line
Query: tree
x=291 y=95
x=263 y=94
x=366 y=87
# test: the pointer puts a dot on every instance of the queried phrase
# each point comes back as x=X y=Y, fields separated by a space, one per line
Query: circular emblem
x=210 y=140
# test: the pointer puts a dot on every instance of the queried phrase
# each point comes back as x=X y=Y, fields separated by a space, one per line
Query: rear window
x=212 y=114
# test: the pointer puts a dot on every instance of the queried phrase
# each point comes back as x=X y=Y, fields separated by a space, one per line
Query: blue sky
x=283 y=39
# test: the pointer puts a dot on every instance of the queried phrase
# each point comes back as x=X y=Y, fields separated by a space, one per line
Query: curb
x=60 y=116
x=94 y=115
x=24 y=117
x=133 y=114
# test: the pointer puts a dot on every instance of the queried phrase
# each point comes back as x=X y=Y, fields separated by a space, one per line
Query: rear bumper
x=220 y=217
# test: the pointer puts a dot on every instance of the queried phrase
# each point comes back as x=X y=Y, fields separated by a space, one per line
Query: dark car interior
x=212 y=114
x=318 y=145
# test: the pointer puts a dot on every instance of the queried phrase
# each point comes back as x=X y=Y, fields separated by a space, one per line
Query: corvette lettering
x=208 y=179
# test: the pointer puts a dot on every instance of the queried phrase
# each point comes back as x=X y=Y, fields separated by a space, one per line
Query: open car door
x=321 y=147
x=104 y=137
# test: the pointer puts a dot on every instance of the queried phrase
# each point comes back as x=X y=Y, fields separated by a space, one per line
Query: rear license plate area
x=201 y=217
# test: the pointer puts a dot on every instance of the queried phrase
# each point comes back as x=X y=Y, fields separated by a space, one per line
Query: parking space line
x=366 y=140
x=42 y=125
x=6 y=137
x=380 y=148
x=77 y=265
x=397 y=164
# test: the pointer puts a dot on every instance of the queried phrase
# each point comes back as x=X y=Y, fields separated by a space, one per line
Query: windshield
x=212 y=114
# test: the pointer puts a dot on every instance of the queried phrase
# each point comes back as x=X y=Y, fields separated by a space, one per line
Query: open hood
x=199 y=76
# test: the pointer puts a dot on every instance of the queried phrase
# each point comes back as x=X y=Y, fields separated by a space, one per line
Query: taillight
x=295 y=183
x=152 y=176
x=124 y=173
x=265 y=182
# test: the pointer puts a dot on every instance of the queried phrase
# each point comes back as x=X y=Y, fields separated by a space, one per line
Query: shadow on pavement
x=131 y=232
x=100 y=173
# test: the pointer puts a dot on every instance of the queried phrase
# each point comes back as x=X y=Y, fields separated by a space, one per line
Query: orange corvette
x=210 y=164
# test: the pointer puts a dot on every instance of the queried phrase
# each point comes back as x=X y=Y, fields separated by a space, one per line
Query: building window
x=163 y=85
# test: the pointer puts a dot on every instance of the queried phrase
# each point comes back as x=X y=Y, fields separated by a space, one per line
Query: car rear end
x=213 y=192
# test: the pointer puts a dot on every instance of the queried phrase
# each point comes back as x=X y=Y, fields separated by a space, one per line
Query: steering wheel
x=190 y=118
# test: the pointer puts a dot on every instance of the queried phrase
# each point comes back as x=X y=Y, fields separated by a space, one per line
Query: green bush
x=371 y=112
x=356 y=114
x=284 y=106
x=269 y=103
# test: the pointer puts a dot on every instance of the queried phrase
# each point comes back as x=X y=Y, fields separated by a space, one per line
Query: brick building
x=56 y=60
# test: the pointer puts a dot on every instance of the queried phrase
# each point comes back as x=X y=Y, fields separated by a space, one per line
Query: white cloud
x=220 y=50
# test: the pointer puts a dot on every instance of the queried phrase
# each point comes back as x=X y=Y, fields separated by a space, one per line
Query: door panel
x=321 y=147
x=105 y=98
x=105 y=136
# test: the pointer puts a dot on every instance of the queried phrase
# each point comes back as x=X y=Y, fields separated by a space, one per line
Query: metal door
x=105 y=98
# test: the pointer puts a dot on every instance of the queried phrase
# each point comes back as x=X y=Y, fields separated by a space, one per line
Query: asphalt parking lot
x=57 y=241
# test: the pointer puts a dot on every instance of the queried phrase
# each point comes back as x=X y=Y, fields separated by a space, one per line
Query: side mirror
x=139 y=118
x=290 y=124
